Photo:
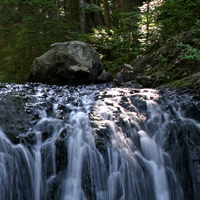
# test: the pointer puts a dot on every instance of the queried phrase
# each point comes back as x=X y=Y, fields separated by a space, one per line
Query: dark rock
x=192 y=111
x=146 y=81
x=67 y=63
x=105 y=77
x=13 y=118
x=173 y=124
x=125 y=75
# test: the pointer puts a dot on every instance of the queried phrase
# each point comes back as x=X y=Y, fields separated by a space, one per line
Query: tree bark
x=82 y=17
x=121 y=8
x=121 y=5
x=107 y=14
x=148 y=22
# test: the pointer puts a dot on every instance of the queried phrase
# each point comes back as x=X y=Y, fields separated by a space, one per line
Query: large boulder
x=72 y=62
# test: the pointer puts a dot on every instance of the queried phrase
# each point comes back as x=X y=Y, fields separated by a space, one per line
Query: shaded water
x=96 y=143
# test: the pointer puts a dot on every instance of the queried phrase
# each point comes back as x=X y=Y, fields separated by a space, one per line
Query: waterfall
x=97 y=142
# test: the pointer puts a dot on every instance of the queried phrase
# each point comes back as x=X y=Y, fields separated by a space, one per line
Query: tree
x=107 y=13
x=27 y=28
x=177 y=16
x=82 y=17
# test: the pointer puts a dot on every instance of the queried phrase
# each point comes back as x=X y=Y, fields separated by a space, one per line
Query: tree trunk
x=107 y=14
x=148 y=22
x=121 y=5
x=121 y=8
x=82 y=17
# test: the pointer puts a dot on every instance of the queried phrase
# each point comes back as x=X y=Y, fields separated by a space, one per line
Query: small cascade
x=153 y=154
x=154 y=160
x=16 y=164
x=79 y=143
x=152 y=143
x=97 y=142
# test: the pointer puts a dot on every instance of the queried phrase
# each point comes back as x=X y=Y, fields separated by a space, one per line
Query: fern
x=190 y=52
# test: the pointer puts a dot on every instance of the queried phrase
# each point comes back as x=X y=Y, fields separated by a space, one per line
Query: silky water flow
x=92 y=142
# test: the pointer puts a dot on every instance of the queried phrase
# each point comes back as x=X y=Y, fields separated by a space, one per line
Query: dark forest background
x=120 y=30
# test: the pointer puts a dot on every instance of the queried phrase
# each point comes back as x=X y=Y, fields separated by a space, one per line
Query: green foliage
x=91 y=7
x=115 y=46
x=176 y=16
x=185 y=82
x=148 y=68
x=148 y=27
x=163 y=60
x=27 y=29
x=197 y=24
x=118 y=45
x=190 y=53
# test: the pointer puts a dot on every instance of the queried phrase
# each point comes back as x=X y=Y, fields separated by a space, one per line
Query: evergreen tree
x=176 y=16
x=27 y=28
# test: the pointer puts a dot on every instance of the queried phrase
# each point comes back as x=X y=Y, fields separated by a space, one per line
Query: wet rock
x=13 y=117
x=192 y=111
x=110 y=141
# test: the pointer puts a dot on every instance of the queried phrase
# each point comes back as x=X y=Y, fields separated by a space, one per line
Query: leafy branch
x=190 y=52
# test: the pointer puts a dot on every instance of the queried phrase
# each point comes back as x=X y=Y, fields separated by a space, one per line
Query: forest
x=120 y=30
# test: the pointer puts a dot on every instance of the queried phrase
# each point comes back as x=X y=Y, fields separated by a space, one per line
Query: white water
x=79 y=141
x=153 y=153
x=152 y=141
x=10 y=169
x=120 y=158
x=153 y=157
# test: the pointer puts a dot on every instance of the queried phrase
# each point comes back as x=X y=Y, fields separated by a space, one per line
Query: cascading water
x=97 y=142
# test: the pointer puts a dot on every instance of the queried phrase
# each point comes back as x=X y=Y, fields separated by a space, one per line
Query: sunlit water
x=92 y=143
